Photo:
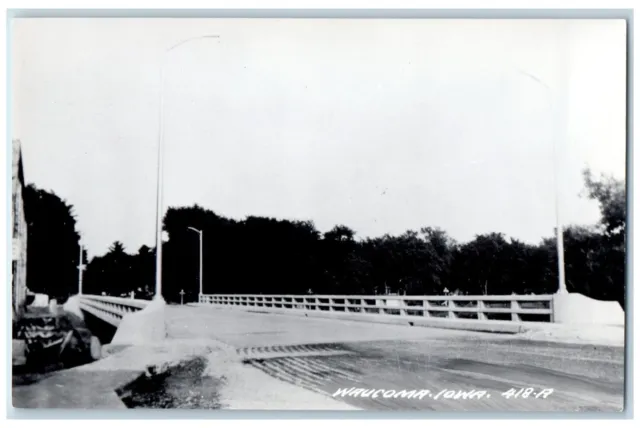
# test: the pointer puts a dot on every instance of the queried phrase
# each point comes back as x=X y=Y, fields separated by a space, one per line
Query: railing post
x=402 y=305
x=515 y=307
x=425 y=308
x=331 y=303
x=452 y=306
x=481 y=314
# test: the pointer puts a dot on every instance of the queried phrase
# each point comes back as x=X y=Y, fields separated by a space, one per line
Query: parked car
x=55 y=341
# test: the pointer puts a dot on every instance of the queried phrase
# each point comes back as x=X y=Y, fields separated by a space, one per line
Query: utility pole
x=200 y=273
x=200 y=235
x=555 y=111
x=80 y=269
x=160 y=166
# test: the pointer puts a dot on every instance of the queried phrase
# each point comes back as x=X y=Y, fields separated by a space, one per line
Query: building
x=19 y=251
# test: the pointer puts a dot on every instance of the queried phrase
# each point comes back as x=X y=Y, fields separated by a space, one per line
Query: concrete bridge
x=285 y=352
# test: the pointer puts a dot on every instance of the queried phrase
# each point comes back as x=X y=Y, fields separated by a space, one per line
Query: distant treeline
x=272 y=256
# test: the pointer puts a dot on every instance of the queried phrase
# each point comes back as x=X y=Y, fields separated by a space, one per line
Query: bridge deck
x=323 y=355
x=290 y=362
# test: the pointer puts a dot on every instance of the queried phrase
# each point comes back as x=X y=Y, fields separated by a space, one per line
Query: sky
x=380 y=125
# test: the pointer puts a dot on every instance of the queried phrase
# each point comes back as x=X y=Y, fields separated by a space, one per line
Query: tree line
x=276 y=256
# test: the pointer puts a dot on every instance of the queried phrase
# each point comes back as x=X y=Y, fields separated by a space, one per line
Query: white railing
x=111 y=309
x=508 y=308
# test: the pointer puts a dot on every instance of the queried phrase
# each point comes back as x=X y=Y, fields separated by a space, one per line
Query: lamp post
x=199 y=232
x=160 y=166
x=562 y=287
x=80 y=269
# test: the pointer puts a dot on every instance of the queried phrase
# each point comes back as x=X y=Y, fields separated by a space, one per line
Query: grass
x=181 y=387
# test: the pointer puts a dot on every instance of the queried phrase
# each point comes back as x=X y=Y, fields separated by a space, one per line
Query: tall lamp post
x=199 y=232
x=159 y=190
x=562 y=286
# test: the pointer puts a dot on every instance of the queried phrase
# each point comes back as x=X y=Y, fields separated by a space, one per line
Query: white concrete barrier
x=144 y=327
x=575 y=308
x=73 y=305
x=138 y=322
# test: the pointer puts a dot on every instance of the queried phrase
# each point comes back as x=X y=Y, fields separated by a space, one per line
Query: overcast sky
x=383 y=126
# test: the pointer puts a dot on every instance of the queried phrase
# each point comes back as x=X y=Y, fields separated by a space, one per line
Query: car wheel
x=96 y=348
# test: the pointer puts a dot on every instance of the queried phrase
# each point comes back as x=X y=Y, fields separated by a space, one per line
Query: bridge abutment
x=576 y=308
x=143 y=327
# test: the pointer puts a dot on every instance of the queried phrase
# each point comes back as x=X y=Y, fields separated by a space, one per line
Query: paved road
x=324 y=355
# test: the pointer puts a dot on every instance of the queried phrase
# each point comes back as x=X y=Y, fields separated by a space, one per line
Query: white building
x=19 y=252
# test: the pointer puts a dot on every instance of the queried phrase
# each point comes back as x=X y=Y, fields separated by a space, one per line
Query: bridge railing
x=111 y=309
x=507 y=308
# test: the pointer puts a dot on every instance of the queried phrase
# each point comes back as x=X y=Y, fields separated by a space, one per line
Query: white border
x=325 y=4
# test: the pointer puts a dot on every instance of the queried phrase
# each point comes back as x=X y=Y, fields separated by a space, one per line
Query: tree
x=53 y=244
x=480 y=266
x=144 y=264
x=611 y=197
x=277 y=256
x=336 y=253
x=222 y=258
x=113 y=273
x=602 y=249
x=442 y=254
x=586 y=257
x=117 y=249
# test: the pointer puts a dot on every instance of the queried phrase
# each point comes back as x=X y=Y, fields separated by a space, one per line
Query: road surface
x=325 y=356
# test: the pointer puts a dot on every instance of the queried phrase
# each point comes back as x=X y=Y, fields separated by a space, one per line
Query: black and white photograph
x=318 y=214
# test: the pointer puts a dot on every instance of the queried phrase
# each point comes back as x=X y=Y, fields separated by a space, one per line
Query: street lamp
x=562 y=287
x=81 y=268
x=199 y=232
x=159 y=190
